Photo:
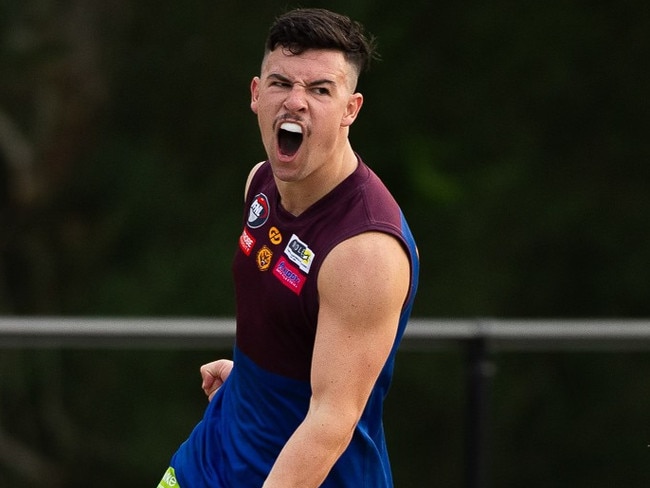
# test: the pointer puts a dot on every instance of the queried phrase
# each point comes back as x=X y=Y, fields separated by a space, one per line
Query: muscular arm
x=362 y=286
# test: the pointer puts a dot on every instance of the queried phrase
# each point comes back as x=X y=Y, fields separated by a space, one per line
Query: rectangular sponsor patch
x=289 y=275
x=246 y=242
x=299 y=253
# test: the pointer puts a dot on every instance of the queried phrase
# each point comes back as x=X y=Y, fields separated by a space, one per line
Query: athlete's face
x=305 y=104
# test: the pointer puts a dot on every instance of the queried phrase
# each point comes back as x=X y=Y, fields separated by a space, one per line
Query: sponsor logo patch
x=169 y=479
x=246 y=242
x=274 y=236
x=258 y=213
x=289 y=276
x=264 y=256
x=299 y=252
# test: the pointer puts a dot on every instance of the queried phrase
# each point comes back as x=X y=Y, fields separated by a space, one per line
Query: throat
x=298 y=196
x=296 y=199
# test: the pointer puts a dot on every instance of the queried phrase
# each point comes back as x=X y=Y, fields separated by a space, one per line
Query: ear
x=352 y=109
x=255 y=93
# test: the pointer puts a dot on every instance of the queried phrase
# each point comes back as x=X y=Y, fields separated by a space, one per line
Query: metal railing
x=421 y=334
x=479 y=337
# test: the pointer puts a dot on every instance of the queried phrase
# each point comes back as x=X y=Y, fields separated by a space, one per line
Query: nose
x=295 y=101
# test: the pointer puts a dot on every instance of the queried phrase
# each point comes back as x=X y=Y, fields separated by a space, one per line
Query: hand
x=214 y=374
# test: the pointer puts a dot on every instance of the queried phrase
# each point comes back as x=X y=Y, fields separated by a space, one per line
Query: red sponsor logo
x=289 y=275
x=246 y=242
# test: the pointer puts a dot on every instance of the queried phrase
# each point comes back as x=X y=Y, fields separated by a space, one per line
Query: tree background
x=513 y=134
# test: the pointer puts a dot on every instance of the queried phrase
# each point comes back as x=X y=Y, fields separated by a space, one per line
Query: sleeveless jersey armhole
x=251 y=176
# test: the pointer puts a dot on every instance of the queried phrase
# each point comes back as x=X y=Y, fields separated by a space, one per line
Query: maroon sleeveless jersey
x=276 y=266
x=267 y=394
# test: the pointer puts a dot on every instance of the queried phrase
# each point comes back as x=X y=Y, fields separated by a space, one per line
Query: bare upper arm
x=362 y=285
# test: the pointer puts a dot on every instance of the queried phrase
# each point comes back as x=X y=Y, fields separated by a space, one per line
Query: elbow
x=335 y=425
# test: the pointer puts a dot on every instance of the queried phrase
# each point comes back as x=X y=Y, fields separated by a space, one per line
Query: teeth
x=291 y=127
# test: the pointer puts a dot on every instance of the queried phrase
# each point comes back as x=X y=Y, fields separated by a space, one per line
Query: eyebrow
x=284 y=79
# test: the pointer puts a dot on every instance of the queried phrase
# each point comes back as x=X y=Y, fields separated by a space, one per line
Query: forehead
x=308 y=65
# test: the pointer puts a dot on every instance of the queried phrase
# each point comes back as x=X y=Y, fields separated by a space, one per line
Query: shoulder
x=369 y=268
x=251 y=175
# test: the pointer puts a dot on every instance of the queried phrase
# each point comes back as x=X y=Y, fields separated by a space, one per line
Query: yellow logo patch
x=264 y=256
x=274 y=236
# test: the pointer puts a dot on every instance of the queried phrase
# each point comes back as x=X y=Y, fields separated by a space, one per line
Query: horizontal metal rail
x=421 y=334
x=477 y=336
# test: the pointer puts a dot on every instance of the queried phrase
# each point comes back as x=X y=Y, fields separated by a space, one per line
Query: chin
x=287 y=172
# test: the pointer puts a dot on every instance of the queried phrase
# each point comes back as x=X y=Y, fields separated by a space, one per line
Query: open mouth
x=289 y=138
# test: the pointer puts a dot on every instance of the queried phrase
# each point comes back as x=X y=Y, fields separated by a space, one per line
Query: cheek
x=264 y=110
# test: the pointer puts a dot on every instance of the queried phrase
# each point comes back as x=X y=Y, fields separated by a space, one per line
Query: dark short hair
x=315 y=28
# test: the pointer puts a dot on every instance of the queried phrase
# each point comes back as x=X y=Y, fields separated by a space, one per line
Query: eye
x=321 y=90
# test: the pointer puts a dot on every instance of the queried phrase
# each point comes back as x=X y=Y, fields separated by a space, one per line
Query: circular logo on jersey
x=264 y=256
x=274 y=236
x=258 y=213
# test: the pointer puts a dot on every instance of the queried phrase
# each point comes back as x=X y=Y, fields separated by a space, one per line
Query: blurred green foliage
x=513 y=134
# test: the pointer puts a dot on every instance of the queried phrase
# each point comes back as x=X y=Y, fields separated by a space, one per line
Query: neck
x=298 y=196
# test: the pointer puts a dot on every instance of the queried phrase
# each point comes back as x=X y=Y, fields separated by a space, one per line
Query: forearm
x=310 y=453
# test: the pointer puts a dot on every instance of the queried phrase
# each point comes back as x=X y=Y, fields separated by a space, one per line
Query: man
x=325 y=277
